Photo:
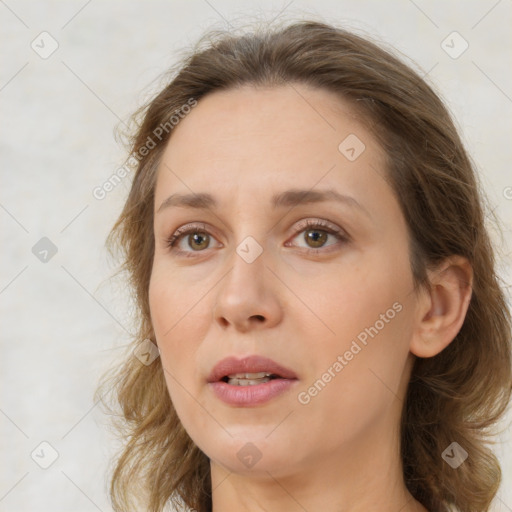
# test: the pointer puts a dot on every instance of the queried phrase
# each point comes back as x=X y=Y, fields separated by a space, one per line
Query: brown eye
x=316 y=237
x=190 y=239
x=198 y=240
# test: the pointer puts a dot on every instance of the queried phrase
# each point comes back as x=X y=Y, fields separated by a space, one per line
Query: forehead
x=249 y=141
x=295 y=112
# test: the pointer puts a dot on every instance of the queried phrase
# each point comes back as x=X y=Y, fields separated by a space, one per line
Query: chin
x=252 y=451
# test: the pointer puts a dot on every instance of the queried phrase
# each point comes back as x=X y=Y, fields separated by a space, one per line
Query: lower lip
x=251 y=395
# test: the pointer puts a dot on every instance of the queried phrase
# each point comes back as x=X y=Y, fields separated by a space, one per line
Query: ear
x=441 y=311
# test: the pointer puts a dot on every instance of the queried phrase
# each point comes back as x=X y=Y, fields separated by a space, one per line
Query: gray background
x=63 y=320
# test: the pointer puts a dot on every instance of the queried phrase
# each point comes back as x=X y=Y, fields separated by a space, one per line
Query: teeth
x=248 y=379
x=259 y=375
x=248 y=382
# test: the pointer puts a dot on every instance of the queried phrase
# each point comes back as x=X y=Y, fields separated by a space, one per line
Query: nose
x=248 y=296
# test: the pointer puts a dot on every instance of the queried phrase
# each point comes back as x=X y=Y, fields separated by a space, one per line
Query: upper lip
x=250 y=364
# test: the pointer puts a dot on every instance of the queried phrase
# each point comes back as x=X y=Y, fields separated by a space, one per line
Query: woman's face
x=333 y=303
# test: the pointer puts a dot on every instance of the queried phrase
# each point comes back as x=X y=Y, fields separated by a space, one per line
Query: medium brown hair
x=455 y=396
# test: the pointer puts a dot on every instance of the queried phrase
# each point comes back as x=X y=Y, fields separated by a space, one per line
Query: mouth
x=249 y=379
x=249 y=371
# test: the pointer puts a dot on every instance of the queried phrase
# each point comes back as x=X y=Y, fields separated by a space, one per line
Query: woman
x=305 y=239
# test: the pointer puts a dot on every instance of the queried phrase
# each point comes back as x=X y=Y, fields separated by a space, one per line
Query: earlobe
x=442 y=310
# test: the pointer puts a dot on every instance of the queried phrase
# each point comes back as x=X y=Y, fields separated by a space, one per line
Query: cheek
x=172 y=299
x=368 y=311
x=177 y=328
x=360 y=374
x=176 y=313
x=348 y=299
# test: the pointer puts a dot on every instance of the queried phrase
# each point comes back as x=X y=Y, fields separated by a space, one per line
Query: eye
x=317 y=233
x=198 y=239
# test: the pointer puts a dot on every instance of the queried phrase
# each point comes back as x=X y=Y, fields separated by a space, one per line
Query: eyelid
x=323 y=224
x=299 y=227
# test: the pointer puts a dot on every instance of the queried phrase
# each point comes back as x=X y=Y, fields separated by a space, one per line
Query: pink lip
x=246 y=396
x=250 y=364
x=249 y=395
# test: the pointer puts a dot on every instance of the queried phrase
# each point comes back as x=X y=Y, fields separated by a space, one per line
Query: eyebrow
x=288 y=198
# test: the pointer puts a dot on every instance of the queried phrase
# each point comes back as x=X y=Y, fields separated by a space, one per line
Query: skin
x=340 y=451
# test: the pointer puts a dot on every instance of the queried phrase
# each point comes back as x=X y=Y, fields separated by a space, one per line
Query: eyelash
x=303 y=226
